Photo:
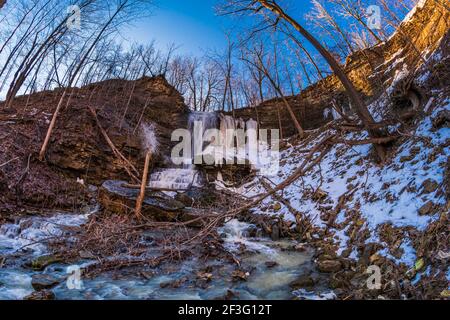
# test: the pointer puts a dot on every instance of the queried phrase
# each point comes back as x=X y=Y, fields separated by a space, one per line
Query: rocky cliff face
x=371 y=70
x=78 y=150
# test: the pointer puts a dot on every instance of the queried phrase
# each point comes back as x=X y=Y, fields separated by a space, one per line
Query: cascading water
x=199 y=123
x=236 y=139
x=174 y=179
x=182 y=179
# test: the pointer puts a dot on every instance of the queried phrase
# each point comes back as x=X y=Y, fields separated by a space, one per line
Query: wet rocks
x=442 y=119
x=41 y=295
x=44 y=281
x=240 y=275
x=275 y=234
x=329 y=266
x=42 y=262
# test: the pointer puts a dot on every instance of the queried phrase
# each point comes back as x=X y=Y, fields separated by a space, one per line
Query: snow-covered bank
x=395 y=212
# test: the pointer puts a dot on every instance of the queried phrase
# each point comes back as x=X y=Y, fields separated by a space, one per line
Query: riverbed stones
x=304 y=281
x=44 y=281
x=185 y=199
x=329 y=266
x=40 y=263
x=41 y=295
x=271 y=264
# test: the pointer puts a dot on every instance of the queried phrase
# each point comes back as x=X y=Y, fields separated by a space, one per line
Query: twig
x=4 y=164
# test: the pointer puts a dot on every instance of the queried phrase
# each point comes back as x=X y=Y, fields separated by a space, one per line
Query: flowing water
x=19 y=242
x=175 y=178
x=269 y=266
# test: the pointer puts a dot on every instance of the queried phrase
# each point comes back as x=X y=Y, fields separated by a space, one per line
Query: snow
x=398 y=76
x=384 y=194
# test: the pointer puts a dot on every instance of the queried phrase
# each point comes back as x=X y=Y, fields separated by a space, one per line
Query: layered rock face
x=371 y=70
x=78 y=153
x=122 y=109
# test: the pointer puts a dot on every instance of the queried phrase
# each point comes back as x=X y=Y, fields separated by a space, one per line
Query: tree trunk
x=141 y=197
x=360 y=109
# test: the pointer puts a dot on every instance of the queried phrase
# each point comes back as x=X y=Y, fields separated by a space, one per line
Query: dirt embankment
x=78 y=154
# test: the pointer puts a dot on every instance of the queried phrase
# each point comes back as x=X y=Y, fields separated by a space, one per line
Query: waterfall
x=174 y=179
x=199 y=123
x=183 y=178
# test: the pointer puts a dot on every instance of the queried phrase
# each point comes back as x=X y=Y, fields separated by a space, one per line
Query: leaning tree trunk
x=44 y=147
x=358 y=104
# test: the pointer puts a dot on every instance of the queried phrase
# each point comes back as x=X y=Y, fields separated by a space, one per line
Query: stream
x=258 y=268
x=273 y=266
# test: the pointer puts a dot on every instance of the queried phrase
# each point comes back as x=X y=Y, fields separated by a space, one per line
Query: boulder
x=304 y=281
x=44 y=281
x=426 y=209
x=115 y=197
x=185 y=199
x=275 y=234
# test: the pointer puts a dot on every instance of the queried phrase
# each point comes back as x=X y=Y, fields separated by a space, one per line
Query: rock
x=86 y=254
x=44 y=281
x=117 y=198
x=304 y=281
x=329 y=266
x=271 y=264
x=406 y=158
x=41 y=295
x=251 y=231
x=42 y=262
x=185 y=199
x=426 y=209
x=319 y=195
x=429 y=186
x=203 y=197
x=191 y=214
x=336 y=283
x=442 y=119
x=276 y=207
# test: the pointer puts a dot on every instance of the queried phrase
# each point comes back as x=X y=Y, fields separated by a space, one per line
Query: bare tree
x=255 y=6
x=320 y=15
x=122 y=6
x=258 y=62
x=355 y=10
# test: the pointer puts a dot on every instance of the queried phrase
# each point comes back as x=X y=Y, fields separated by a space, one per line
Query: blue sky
x=192 y=24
